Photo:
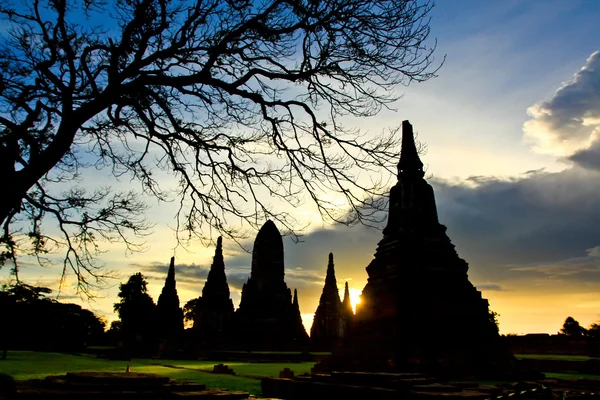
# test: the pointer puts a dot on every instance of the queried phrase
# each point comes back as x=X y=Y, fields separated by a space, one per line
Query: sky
x=512 y=130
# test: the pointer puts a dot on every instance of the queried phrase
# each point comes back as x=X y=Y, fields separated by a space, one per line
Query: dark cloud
x=490 y=286
x=540 y=217
x=589 y=157
x=583 y=268
x=64 y=297
x=185 y=272
x=498 y=225
x=570 y=120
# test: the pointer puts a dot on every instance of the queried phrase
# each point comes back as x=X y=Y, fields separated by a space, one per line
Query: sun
x=354 y=298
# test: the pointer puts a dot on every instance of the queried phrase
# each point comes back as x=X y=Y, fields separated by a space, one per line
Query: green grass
x=268 y=352
x=560 y=375
x=563 y=357
x=242 y=368
x=36 y=365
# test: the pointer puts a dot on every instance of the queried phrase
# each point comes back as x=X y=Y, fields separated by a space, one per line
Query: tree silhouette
x=572 y=328
x=240 y=100
x=593 y=331
x=137 y=313
x=493 y=316
x=26 y=313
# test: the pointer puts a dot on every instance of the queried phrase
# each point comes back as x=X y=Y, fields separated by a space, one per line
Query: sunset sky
x=512 y=128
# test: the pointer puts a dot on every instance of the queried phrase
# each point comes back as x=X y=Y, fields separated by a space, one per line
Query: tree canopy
x=572 y=328
x=137 y=313
x=240 y=100
x=31 y=321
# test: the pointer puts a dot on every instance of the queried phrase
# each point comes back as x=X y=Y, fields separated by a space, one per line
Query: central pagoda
x=268 y=318
x=418 y=311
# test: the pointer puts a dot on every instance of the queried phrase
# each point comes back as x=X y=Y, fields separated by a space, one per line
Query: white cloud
x=570 y=120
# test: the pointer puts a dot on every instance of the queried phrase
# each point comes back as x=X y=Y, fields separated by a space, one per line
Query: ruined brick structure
x=170 y=315
x=267 y=316
x=214 y=310
x=418 y=310
x=328 y=323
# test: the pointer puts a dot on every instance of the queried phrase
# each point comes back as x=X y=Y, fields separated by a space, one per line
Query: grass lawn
x=563 y=357
x=560 y=375
x=35 y=365
x=242 y=368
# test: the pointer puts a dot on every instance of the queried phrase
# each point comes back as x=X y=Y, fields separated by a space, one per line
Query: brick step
x=180 y=387
x=462 y=395
x=436 y=387
x=210 y=394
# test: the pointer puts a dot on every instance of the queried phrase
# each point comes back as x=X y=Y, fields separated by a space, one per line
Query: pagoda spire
x=412 y=202
x=330 y=277
x=170 y=315
x=295 y=303
x=218 y=258
x=410 y=163
x=327 y=322
x=346 y=303
x=170 y=281
x=216 y=282
x=215 y=308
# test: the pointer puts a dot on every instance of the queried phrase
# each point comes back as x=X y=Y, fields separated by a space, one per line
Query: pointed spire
x=330 y=277
x=295 y=302
x=170 y=281
x=170 y=315
x=218 y=258
x=327 y=326
x=410 y=163
x=346 y=303
x=216 y=282
x=170 y=284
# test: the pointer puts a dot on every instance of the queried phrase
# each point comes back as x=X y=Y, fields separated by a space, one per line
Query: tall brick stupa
x=419 y=311
x=267 y=317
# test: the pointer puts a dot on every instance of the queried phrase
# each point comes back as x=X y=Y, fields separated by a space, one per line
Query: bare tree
x=240 y=100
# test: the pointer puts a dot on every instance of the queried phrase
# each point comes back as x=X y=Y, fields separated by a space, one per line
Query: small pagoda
x=328 y=323
x=170 y=315
x=214 y=311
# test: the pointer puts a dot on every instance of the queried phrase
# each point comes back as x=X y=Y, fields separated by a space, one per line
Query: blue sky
x=519 y=190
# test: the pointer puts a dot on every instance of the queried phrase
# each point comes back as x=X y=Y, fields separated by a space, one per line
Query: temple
x=267 y=316
x=170 y=316
x=418 y=311
x=214 y=311
x=328 y=323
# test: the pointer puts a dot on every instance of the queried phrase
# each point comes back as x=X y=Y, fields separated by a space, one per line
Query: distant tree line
x=572 y=328
x=32 y=321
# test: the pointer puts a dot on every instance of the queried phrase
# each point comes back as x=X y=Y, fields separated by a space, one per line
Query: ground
x=35 y=365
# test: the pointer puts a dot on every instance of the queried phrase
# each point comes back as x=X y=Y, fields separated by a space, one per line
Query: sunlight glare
x=355 y=298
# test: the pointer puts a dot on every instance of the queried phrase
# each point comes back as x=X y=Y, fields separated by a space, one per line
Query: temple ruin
x=214 y=311
x=328 y=324
x=170 y=315
x=267 y=317
x=419 y=311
